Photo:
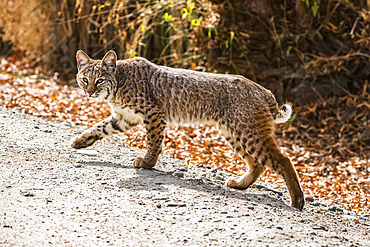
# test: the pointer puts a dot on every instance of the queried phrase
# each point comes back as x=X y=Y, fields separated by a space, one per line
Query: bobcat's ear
x=82 y=59
x=109 y=60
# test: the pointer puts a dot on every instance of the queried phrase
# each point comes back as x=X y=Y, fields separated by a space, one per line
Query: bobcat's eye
x=98 y=81
x=85 y=80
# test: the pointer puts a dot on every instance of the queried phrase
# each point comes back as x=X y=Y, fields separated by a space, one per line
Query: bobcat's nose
x=90 y=92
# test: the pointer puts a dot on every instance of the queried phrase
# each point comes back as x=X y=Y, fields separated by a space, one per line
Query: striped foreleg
x=107 y=127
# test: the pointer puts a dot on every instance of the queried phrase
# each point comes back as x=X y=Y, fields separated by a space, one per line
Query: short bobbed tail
x=283 y=114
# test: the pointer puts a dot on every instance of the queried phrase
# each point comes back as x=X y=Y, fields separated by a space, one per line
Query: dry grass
x=169 y=31
x=27 y=26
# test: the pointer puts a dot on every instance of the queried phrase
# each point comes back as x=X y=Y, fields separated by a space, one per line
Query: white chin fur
x=100 y=97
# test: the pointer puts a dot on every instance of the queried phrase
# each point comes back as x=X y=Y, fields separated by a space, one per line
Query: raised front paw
x=83 y=141
x=141 y=163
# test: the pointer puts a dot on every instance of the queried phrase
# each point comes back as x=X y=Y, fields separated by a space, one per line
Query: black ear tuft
x=109 y=60
x=82 y=59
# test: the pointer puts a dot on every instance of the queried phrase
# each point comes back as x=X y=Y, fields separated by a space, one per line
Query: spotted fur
x=139 y=91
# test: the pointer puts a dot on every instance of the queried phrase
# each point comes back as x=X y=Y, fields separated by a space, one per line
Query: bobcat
x=139 y=91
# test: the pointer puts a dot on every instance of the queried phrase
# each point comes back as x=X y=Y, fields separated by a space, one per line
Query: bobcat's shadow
x=158 y=180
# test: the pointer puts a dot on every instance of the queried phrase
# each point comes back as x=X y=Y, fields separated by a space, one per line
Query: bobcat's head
x=96 y=77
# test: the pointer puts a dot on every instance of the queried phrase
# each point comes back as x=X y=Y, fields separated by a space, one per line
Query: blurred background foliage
x=303 y=50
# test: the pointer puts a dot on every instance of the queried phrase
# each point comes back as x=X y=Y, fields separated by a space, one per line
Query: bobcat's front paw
x=141 y=163
x=83 y=142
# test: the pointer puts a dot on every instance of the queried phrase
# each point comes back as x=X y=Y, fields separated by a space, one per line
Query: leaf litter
x=327 y=141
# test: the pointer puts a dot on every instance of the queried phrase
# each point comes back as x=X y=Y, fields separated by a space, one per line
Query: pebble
x=309 y=199
x=219 y=178
x=27 y=194
x=176 y=205
x=316 y=204
x=16 y=110
x=320 y=228
x=335 y=209
x=161 y=198
x=179 y=174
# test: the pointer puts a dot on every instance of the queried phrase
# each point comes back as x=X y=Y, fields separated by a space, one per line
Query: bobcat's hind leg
x=288 y=172
x=260 y=153
x=244 y=182
x=274 y=159
x=255 y=169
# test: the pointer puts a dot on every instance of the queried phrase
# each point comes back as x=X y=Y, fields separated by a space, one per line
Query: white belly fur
x=128 y=114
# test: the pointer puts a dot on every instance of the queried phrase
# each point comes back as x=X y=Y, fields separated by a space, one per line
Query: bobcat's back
x=191 y=96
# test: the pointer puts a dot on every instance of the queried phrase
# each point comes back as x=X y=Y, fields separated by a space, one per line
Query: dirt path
x=54 y=195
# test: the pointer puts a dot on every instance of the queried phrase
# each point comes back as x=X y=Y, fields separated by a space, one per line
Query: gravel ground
x=54 y=195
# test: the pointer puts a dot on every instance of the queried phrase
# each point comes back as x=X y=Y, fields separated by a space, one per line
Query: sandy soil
x=54 y=195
